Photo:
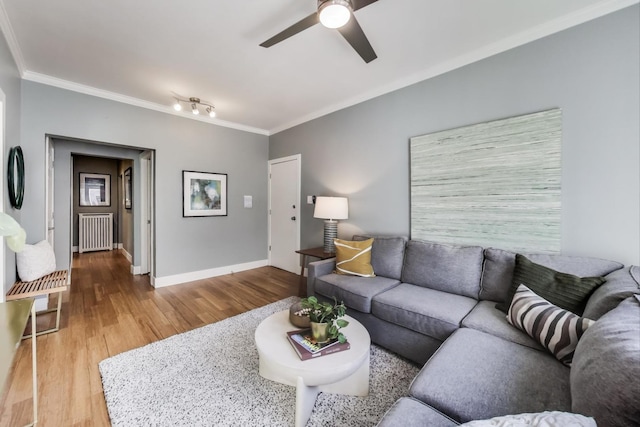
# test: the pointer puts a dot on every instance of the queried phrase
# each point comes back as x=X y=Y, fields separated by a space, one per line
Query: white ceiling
x=141 y=51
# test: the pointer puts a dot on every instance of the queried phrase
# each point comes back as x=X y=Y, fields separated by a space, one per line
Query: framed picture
x=127 y=189
x=95 y=189
x=204 y=194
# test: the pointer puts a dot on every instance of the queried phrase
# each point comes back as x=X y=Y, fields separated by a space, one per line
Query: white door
x=284 y=213
x=49 y=191
x=146 y=196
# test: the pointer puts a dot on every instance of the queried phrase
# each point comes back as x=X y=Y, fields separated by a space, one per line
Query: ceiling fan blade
x=353 y=33
x=359 y=4
x=299 y=26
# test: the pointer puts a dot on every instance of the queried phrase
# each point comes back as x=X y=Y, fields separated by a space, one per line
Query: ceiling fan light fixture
x=334 y=13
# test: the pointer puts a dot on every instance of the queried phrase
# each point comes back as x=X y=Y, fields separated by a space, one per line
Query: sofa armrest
x=317 y=269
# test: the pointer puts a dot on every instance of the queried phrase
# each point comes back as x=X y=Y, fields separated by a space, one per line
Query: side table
x=312 y=252
x=345 y=372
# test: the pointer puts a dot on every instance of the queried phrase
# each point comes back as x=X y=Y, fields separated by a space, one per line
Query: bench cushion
x=428 y=311
x=448 y=268
x=475 y=376
x=356 y=292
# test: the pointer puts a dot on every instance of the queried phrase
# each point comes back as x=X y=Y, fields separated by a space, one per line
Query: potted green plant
x=325 y=319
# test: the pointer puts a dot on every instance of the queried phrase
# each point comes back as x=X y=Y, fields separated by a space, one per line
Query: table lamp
x=331 y=209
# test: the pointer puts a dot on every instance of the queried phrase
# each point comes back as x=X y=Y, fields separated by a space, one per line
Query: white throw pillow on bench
x=35 y=261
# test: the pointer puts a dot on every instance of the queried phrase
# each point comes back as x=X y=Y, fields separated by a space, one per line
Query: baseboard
x=135 y=269
x=127 y=255
x=160 y=282
x=115 y=246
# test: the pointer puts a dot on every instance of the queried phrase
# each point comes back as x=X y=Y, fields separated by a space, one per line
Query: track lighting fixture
x=195 y=104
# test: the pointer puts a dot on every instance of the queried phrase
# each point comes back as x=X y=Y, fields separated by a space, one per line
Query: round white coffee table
x=345 y=372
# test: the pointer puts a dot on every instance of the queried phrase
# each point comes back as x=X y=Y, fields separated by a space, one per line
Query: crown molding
x=522 y=38
x=12 y=41
x=113 y=96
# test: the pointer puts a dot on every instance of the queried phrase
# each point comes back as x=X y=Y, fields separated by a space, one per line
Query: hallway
x=108 y=311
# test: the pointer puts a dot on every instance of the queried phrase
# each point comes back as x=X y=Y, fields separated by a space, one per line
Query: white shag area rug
x=209 y=377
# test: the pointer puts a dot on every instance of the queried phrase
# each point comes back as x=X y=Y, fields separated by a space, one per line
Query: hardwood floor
x=107 y=311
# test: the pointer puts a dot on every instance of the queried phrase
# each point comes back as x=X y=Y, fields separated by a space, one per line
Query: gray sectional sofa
x=435 y=305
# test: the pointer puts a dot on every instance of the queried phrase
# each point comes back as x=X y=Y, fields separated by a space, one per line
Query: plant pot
x=320 y=332
x=301 y=322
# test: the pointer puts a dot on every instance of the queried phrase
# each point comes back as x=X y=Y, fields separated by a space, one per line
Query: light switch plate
x=309 y=200
x=248 y=201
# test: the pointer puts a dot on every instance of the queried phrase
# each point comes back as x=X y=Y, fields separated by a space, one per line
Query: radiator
x=95 y=232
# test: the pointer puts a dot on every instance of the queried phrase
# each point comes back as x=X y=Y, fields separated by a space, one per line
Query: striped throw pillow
x=354 y=258
x=556 y=329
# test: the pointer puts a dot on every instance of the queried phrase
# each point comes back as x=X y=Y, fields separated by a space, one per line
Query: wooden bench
x=55 y=282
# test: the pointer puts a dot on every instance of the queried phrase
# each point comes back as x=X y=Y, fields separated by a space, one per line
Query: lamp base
x=330 y=233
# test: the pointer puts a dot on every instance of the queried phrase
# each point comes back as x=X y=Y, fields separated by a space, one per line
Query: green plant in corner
x=325 y=312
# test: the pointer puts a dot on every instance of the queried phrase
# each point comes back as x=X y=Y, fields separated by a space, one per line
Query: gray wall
x=182 y=244
x=10 y=85
x=591 y=72
x=101 y=165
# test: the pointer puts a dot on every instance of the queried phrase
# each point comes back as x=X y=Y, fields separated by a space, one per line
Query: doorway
x=284 y=213
x=66 y=198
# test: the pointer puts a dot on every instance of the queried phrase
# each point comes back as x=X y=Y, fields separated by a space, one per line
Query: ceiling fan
x=336 y=14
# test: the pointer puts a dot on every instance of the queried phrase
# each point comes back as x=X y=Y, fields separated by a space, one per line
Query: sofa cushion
x=499 y=264
x=448 y=268
x=475 y=376
x=354 y=258
x=556 y=329
x=605 y=376
x=620 y=285
x=428 y=311
x=564 y=290
x=356 y=292
x=387 y=255
x=485 y=317
x=408 y=412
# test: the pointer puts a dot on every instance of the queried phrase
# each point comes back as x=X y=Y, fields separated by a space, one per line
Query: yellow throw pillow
x=354 y=258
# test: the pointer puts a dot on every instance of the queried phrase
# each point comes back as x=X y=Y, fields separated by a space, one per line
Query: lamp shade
x=331 y=208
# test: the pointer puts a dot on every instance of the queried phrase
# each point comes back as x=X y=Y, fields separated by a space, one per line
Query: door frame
x=147 y=239
x=298 y=158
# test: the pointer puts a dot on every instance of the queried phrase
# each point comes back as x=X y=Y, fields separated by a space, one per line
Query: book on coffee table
x=307 y=348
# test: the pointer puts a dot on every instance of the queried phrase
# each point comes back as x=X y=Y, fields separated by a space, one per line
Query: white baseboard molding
x=115 y=246
x=135 y=269
x=160 y=282
x=127 y=255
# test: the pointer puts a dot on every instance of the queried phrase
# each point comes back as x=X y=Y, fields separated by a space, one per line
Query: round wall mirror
x=16 y=177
